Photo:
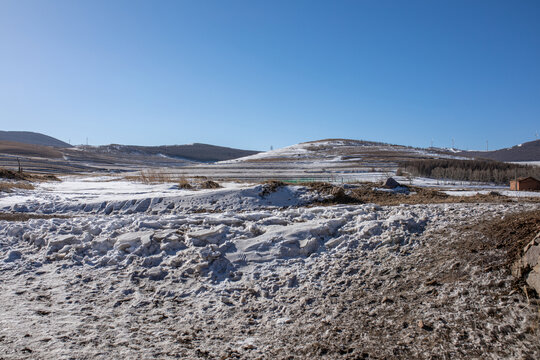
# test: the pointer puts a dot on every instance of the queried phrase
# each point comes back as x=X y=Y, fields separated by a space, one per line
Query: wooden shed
x=525 y=184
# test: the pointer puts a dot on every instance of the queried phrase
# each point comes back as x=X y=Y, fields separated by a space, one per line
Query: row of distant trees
x=468 y=170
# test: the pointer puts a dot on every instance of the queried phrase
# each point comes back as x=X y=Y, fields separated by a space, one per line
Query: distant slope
x=529 y=151
x=110 y=157
x=20 y=149
x=192 y=152
x=346 y=151
x=28 y=137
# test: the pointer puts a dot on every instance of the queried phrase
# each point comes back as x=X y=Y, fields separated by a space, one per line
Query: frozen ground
x=151 y=271
x=504 y=192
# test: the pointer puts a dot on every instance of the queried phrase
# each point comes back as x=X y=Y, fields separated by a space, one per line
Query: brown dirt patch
x=509 y=234
x=513 y=232
x=446 y=300
x=209 y=184
x=15 y=175
x=365 y=193
x=28 y=216
x=271 y=186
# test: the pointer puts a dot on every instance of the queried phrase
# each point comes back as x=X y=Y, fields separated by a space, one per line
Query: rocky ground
x=286 y=282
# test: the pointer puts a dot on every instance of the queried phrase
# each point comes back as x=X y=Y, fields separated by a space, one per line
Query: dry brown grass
x=157 y=176
x=10 y=186
x=183 y=183
x=15 y=175
x=151 y=176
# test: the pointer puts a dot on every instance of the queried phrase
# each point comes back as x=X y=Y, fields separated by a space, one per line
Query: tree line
x=468 y=170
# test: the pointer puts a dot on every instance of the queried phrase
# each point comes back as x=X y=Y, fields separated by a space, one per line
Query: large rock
x=528 y=267
x=391 y=183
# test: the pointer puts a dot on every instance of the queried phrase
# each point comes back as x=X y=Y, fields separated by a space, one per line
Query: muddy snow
x=152 y=271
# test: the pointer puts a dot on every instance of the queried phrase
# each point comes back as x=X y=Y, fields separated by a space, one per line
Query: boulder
x=391 y=183
x=528 y=266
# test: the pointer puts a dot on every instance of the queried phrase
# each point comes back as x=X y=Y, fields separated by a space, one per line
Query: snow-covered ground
x=112 y=195
x=153 y=271
x=504 y=192
x=534 y=163
x=106 y=195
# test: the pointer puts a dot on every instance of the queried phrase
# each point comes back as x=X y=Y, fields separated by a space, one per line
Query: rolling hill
x=32 y=138
x=529 y=151
x=192 y=152
x=57 y=156
x=22 y=149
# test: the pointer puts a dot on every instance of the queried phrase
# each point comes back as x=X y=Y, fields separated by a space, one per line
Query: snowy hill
x=345 y=151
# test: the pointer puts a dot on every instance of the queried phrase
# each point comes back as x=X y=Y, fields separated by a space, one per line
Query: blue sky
x=251 y=74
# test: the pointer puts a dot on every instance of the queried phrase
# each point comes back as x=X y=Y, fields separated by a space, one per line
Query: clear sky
x=251 y=74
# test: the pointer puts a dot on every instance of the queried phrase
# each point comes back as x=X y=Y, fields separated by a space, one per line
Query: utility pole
x=453 y=142
x=431 y=143
x=86 y=141
x=487 y=147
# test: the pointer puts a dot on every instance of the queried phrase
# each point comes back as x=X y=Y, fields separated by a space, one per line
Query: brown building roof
x=526 y=178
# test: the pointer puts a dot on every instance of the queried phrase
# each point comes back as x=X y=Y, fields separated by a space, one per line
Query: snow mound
x=216 y=245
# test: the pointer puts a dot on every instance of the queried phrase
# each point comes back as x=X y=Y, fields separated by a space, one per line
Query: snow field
x=168 y=273
x=215 y=245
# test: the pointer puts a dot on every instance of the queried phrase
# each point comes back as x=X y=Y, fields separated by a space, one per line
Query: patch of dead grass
x=183 y=183
x=10 y=186
x=16 y=175
x=151 y=176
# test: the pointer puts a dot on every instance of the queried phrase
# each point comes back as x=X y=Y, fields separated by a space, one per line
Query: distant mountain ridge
x=42 y=153
x=529 y=151
x=16 y=143
x=321 y=156
x=192 y=152
x=32 y=138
